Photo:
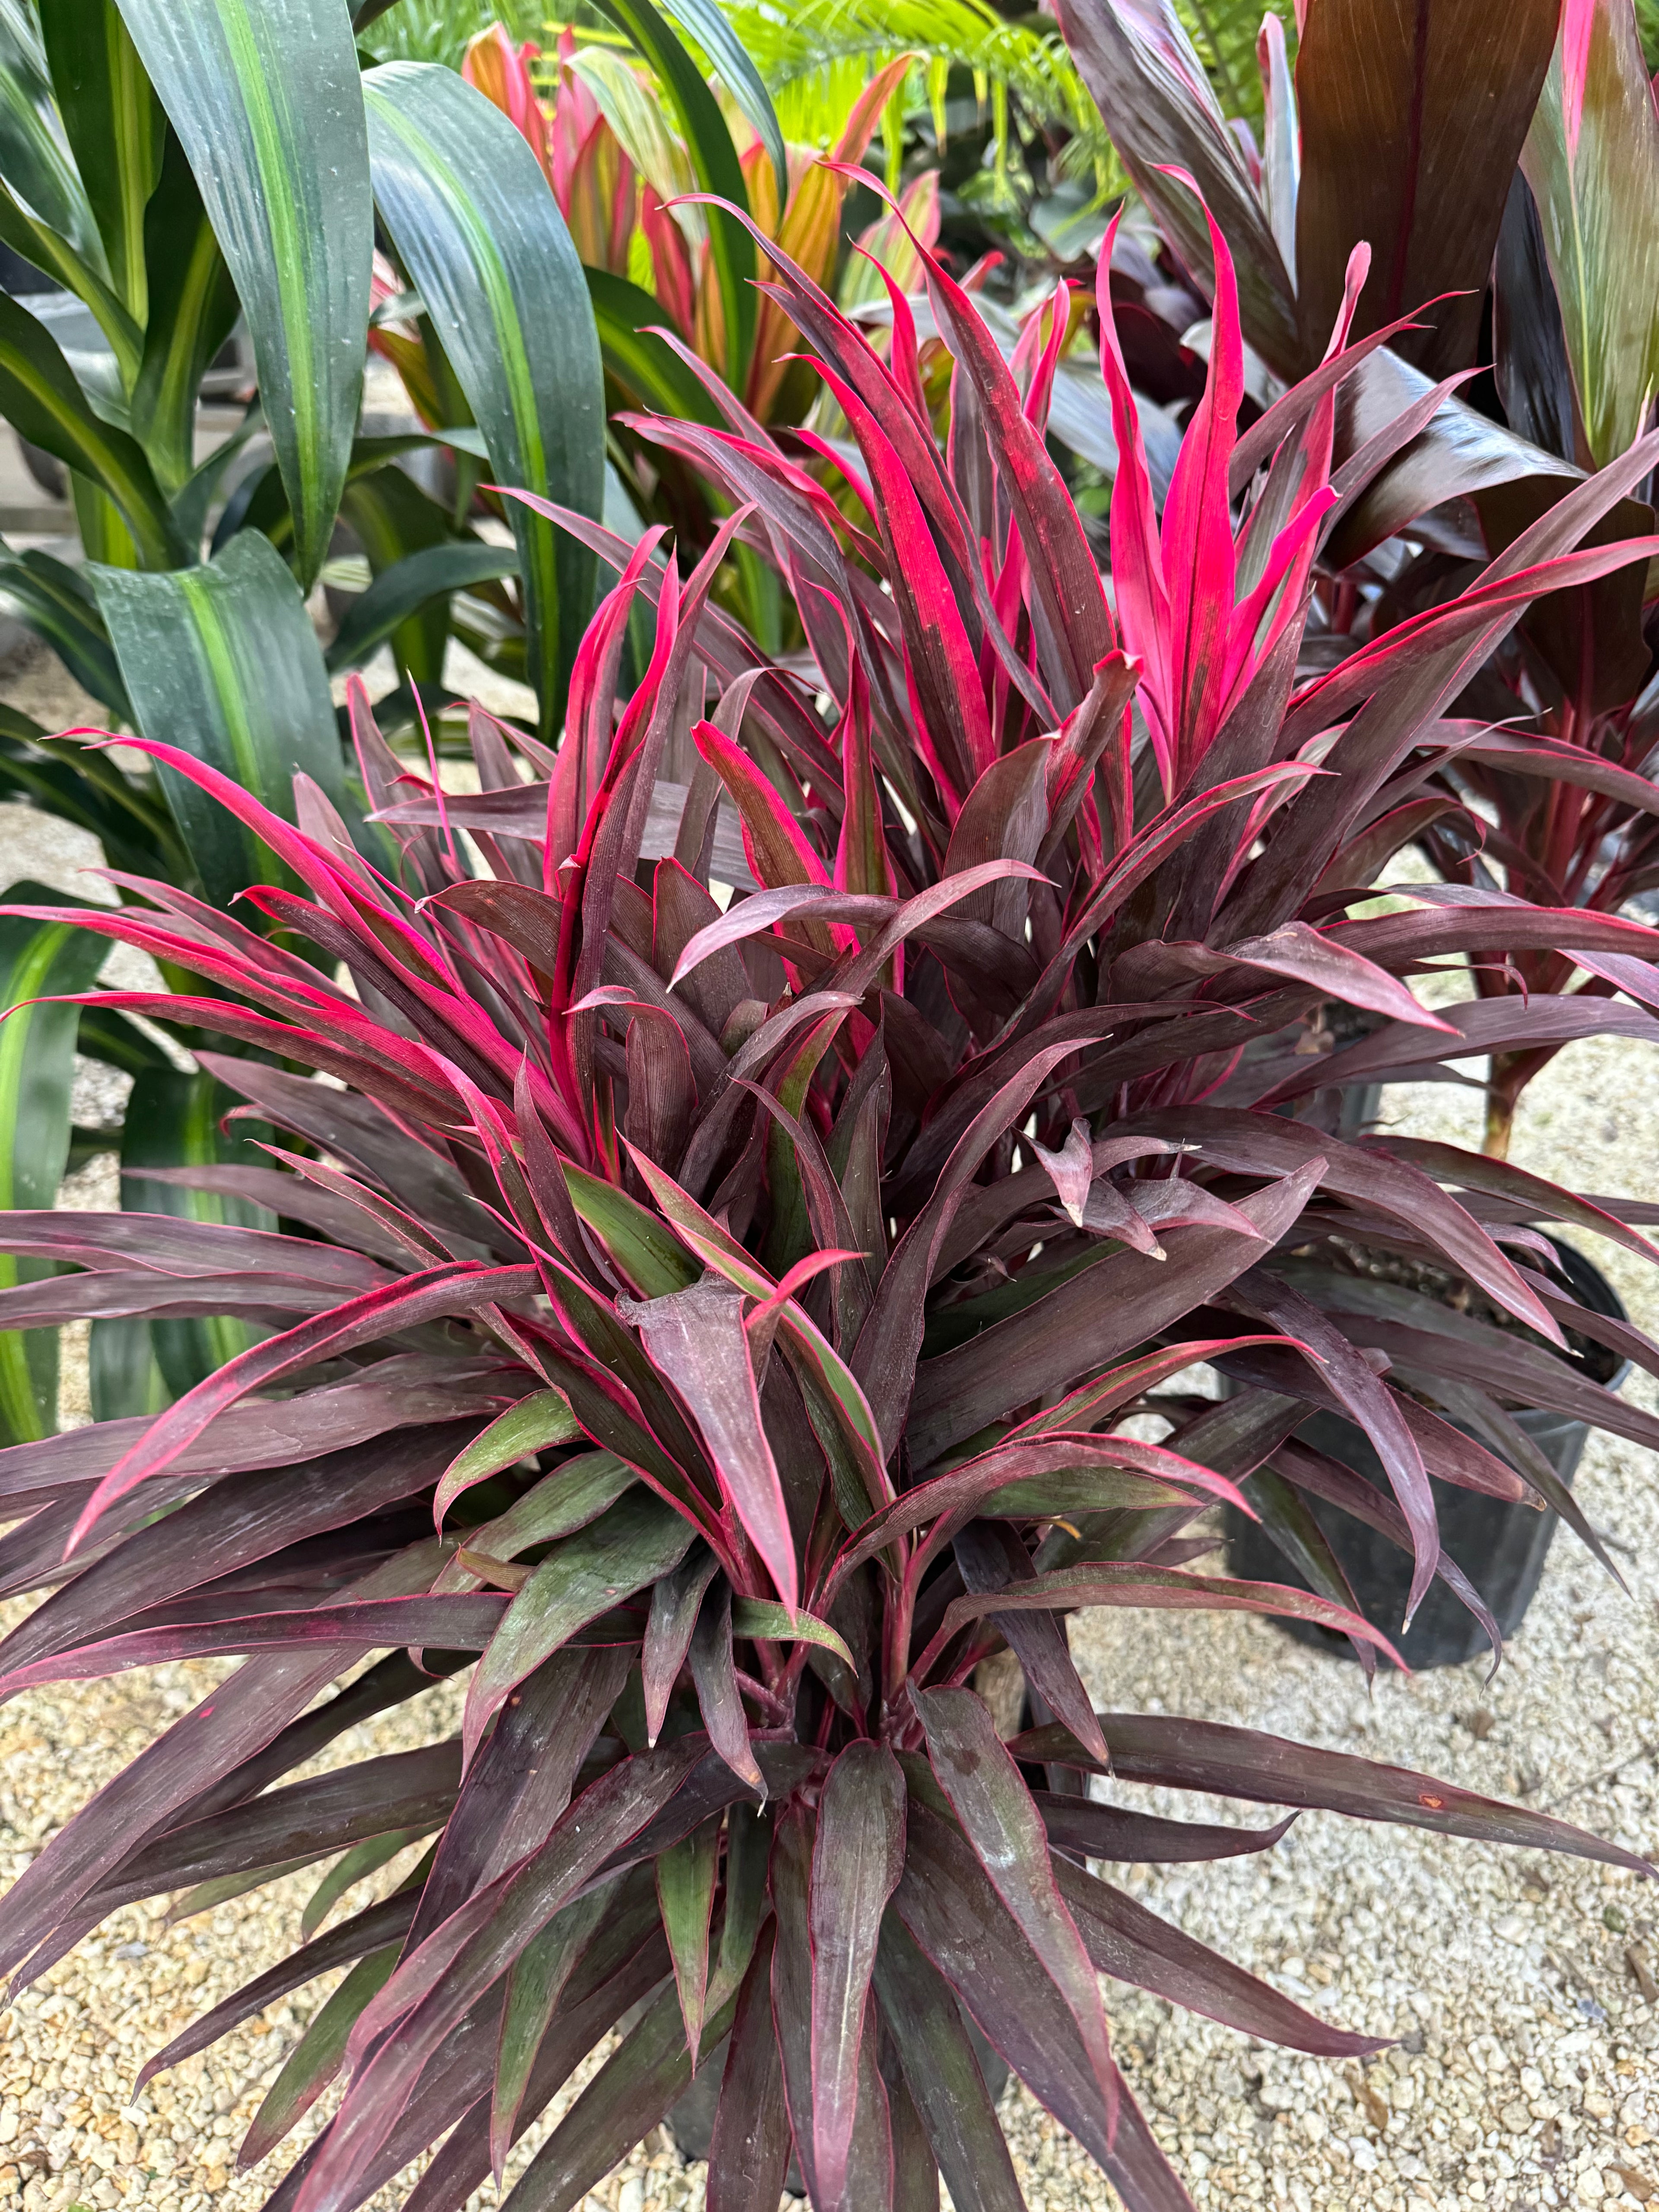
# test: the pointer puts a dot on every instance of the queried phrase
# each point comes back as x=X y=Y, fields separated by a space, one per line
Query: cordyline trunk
x=718 y=1320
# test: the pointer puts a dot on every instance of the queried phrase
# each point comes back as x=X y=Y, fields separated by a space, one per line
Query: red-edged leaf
x=433 y=1296
x=943 y=2075
x=1114 y=1582
x=991 y=1801
x=676 y=1599
x=748 y=2152
x=1177 y=1753
x=696 y=1339
x=856 y=1864
x=458 y=1624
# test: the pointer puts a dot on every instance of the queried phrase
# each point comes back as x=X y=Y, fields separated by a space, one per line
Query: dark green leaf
x=475 y=223
x=40 y=397
x=409 y=584
x=534 y=1986
x=223 y=662
x=114 y=125
x=193 y=306
x=646 y=368
x=55 y=603
x=37 y=1062
x=267 y=102
x=715 y=159
x=316 y=2058
x=686 y=1874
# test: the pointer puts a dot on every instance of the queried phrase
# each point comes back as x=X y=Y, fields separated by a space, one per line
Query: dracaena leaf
x=267 y=105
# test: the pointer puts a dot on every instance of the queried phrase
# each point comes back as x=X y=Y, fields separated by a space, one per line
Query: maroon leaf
x=749 y=2153
x=696 y=1337
x=437 y=1293
x=991 y=1801
x=714 y=1673
x=856 y=1864
x=1109 y=1831
x=1125 y=1941
x=1235 y=1762
x=943 y=2075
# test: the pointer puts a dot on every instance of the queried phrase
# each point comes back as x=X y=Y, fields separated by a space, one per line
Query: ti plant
x=1547 y=219
x=714 y=1324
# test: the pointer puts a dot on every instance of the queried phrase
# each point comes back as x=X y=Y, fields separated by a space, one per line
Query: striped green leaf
x=265 y=97
x=647 y=369
x=221 y=661
x=714 y=158
x=173 y=1120
x=38 y=960
x=193 y=306
x=1592 y=159
x=704 y=24
x=40 y=397
x=475 y=223
x=115 y=128
x=33 y=157
x=53 y=601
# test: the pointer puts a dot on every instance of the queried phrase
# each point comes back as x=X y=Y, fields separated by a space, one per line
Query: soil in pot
x=1501 y=1548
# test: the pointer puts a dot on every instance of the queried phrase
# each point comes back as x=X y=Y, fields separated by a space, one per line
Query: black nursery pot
x=1501 y=1548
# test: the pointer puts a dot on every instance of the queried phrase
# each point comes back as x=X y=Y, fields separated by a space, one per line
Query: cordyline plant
x=714 y=1326
x=1535 y=243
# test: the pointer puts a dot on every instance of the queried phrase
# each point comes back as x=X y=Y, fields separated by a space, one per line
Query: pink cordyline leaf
x=696 y=1337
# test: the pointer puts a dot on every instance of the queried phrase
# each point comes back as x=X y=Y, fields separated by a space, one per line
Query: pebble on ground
x=1522 y=1991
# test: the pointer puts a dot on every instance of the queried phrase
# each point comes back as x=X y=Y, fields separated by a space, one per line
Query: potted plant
x=1541 y=794
x=714 y=1325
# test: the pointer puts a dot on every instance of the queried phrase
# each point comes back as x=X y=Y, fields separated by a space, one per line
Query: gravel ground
x=1522 y=1991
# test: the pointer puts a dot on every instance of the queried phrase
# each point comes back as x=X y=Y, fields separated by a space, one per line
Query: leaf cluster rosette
x=708 y=1298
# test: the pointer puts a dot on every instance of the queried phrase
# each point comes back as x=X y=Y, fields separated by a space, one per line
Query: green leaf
x=55 y=603
x=172 y=1120
x=1595 y=175
x=686 y=1893
x=646 y=1251
x=774 y=1624
x=37 y=1063
x=315 y=2059
x=265 y=97
x=475 y=223
x=223 y=662
x=40 y=397
x=645 y=368
x=32 y=155
x=399 y=594
x=637 y=1542
x=396 y=521
x=535 y=1422
x=702 y=21
x=714 y=157
x=192 y=307
x=349 y=1869
x=115 y=128
x=536 y=1982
